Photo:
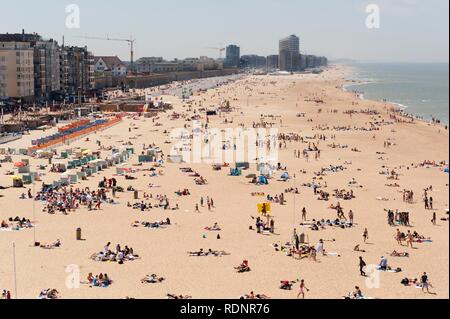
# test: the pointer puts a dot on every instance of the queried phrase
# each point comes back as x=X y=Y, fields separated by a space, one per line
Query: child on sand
x=365 y=235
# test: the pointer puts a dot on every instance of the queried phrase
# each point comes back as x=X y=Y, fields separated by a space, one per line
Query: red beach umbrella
x=19 y=164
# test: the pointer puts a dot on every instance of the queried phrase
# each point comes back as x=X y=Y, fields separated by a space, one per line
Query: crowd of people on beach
x=119 y=255
x=66 y=200
x=16 y=223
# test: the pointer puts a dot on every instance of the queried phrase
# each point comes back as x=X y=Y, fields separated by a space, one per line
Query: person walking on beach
x=304 y=214
x=434 y=219
x=320 y=248
x=197 y=210
x=302 y=290
x=351 y=216
x=409 y=239
x=366 y=235
x=425 y=283
x=398 y=237
x=296 y=240
x=362 y=264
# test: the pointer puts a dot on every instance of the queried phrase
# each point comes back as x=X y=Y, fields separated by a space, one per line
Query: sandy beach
x=363 y=143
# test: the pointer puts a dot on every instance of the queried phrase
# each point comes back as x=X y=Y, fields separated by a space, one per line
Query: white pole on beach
x=34 y=213
x=14 y=264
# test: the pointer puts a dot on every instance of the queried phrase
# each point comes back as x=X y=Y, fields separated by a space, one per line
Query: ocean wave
x=402 y=106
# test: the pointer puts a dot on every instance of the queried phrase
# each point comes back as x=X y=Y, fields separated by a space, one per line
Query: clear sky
x=410 y=30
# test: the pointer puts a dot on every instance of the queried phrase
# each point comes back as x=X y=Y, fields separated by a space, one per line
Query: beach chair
x=24 y=170
x=81 y=175
x=27 y=179
x=73 y=178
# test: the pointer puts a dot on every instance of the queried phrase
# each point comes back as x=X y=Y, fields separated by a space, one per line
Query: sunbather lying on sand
x=184 y=192
x=209 y=253
x=216 y=227
x=252 y=296
x=49 y=294
x=157 y=224
x=201 y=181
x=56 y=244
x=410 y=282
x=152 y=279
x=287 y=285
x=397 y=254
x=172 y=296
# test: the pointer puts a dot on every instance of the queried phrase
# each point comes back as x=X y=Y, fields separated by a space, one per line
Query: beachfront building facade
x=110 y=63
x=189 y=64
x=51 y=69
x=16 y=70
x=158 y=65
x=147 y=64
x=45 y=62
x=206 y=64
x=233 y=56
x=272 y=63
x=46 y=68
x=253 y=61
x=78 y=63
x=289 y=54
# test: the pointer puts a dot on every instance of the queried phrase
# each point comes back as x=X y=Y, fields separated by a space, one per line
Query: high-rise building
x=78 y=64
x=289 y=57
x=272 y=63
x=54 y=69
x=233 y=56
x=303 y=65
x=16 y=70
x=45 y=61
x=46 y=68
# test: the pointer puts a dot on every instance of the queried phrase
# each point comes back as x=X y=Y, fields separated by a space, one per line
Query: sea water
x=420 y=89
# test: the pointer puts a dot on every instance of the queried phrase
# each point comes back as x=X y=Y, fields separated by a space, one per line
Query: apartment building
x=289 y=53
x=46 y=68
x=78 y=64
x=16 y=70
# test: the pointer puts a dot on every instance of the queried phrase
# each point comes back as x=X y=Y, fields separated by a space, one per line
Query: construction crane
x=130 y=41
x=221 y=50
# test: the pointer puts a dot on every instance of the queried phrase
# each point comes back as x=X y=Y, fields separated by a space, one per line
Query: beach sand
x=164 y=251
